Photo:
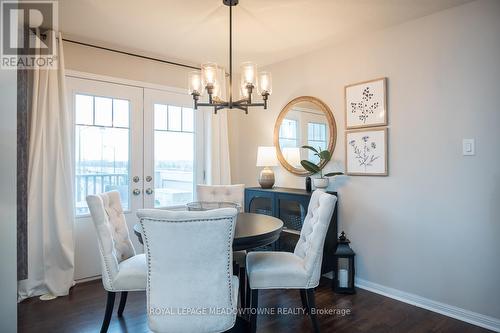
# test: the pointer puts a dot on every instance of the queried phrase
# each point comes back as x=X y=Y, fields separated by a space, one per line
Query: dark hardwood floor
x=83 y=309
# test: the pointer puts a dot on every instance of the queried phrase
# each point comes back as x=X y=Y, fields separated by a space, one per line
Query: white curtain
x=50 y=185
x=218 y=168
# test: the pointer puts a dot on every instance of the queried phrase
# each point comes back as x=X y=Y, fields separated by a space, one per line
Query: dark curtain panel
x=23 y=105
x=22 y=174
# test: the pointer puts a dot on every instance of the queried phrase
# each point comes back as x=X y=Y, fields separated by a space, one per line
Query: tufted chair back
x=189 y=260
x=112 y=233
x=313 y=233
x=222 y=193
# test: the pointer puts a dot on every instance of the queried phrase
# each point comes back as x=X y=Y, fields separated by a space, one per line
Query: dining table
x=251 y=231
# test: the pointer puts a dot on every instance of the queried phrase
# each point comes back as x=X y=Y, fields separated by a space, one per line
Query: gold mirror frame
x=331 y=124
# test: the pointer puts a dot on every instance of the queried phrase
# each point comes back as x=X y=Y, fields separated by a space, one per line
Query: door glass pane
x=103 y=111
x=173 y=159
x=187 y=120
x=160 y=116
x=174 y=118
x=84 y=109
x=101 y=155
x=120 y=113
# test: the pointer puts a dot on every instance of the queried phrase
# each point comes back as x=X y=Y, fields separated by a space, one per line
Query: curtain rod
x=130 y=54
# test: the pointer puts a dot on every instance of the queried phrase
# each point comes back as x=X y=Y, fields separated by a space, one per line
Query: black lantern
x=343 y=280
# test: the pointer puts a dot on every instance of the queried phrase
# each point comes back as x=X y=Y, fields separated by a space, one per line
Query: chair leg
x=303 y=299
x=247 y=293
x=110 y=303
x=312 y=309
x=242 y=276
x=253 y=311
x=123 y=301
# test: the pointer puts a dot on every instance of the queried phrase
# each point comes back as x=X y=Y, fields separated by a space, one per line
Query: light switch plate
x=468 y=147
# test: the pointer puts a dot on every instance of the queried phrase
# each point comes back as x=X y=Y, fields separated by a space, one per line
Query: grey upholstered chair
x=298 y=270
x=189 y=264
x=228 y=193
x=122 y=269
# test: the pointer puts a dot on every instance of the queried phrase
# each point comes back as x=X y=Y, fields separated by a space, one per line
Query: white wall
x=432 y=227
x=8 y=225
x=92 y=60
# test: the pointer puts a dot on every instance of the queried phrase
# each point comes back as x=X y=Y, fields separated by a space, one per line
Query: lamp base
x=266 y=178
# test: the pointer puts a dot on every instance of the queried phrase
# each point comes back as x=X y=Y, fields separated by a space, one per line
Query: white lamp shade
x=266 y=157
x=292 y=156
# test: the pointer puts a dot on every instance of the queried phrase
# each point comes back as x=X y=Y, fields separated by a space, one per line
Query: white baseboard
x=425 y=303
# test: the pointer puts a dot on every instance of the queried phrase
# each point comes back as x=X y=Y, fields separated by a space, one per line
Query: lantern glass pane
x=344 y=269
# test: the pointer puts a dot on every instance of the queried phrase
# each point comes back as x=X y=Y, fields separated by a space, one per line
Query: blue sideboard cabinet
x=290 y=205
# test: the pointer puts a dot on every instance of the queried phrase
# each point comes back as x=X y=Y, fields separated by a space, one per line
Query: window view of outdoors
x=101 y=148
x=316 y=137
x=288 y=133
x=173 y=155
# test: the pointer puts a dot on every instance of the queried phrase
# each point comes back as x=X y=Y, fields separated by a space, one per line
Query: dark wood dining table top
x=252 y=230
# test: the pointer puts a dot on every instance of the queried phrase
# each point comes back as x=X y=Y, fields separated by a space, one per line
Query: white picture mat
x=354 y=94
x=366 y=156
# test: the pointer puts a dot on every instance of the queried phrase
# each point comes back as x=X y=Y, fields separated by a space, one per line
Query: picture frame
x=366 y=152
x=365 y=104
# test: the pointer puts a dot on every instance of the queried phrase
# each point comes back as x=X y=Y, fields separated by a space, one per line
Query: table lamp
x=266 y=157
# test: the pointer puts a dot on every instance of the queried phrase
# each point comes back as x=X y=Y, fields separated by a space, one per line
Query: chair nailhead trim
x=229 y=265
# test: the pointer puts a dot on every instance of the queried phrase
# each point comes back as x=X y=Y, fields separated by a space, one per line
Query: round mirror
x=304 y=121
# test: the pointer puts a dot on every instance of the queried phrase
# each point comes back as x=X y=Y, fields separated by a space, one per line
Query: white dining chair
x=122 y=269
x=189 y=265
x=298 y=270
x=234 y=194
x=222 y=193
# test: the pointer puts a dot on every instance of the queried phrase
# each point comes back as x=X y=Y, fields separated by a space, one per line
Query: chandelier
x=250 y=80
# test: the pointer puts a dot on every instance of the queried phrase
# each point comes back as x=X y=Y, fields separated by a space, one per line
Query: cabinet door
x=292 y=210
x=259 y=202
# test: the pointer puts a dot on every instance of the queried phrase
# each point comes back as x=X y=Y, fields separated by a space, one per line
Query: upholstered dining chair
x=122 y=269
x=228 y=193
x=222 y=193
x=300 y=269
x=189 y=265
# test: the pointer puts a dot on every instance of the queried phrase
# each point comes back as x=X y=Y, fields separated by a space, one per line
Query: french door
x=144 y=143
x=173 y=148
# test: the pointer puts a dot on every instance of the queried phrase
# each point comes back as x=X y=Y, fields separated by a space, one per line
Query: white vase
x=320 y=183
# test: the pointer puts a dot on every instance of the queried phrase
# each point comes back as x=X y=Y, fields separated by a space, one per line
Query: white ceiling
x=264 y=31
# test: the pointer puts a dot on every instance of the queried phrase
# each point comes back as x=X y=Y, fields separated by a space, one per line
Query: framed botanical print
x=366 y=152
x=366 y=104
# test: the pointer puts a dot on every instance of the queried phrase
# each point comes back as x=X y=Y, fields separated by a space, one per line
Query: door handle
x=149 y=191
x=136 y=191
x=149 y=178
